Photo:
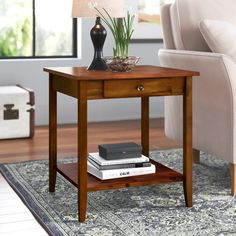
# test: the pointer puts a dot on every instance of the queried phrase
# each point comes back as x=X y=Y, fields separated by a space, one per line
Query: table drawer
x=143 y=87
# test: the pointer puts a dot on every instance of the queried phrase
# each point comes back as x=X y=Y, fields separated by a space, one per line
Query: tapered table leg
x=52 y=136
x=187 y=141
x=82 y=151
x=145 y=125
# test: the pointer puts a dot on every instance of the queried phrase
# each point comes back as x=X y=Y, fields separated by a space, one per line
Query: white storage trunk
x=16 y=112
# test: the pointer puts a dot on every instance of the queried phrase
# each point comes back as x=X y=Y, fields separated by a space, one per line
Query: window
x=37 y=28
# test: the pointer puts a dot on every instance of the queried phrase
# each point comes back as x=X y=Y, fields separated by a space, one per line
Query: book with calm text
x=119 y=166
x=120 y=173
x=101 y=161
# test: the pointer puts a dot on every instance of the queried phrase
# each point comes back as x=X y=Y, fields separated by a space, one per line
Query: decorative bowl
x=121 y=64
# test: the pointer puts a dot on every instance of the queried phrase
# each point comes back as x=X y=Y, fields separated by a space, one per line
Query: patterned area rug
x=150 y=210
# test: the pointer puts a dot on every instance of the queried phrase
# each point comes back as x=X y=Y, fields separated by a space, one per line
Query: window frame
x=74 y=42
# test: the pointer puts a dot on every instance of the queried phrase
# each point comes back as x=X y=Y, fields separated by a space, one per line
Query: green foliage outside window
x=16 y=41
x=32 y=28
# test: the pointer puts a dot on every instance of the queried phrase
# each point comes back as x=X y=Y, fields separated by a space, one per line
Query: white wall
x=30 y=73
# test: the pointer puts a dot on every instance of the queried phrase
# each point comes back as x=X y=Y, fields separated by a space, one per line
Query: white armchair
x=214 y=92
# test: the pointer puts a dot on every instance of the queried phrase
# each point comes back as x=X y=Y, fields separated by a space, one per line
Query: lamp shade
x=85 y=8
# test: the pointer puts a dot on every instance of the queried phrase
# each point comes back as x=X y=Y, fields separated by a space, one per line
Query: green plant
x=16 y=40
x=122 y=31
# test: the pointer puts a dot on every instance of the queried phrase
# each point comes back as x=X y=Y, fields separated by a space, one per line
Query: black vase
x=98 y=35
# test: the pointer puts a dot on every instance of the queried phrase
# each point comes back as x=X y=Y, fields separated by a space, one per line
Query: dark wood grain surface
x=144 y=72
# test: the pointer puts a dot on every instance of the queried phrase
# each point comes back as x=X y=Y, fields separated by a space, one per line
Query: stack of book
x=117 y=168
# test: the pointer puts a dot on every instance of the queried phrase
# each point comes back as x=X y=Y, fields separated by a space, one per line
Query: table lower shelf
x=163 y=175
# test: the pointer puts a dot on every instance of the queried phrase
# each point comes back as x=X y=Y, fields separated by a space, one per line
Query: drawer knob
x=140 y=88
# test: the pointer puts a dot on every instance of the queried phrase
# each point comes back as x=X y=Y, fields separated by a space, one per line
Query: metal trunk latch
x=9 y=113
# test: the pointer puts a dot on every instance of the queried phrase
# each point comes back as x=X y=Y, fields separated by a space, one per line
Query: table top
x=139 y=72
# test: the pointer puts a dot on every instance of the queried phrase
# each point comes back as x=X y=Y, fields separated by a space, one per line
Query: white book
x=120 y=173
x=101 y=161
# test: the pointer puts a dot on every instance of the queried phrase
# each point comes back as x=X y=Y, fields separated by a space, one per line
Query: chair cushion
x=187 y=14
x=220 y=36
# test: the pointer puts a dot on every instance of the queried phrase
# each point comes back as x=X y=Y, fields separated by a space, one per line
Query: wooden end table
x=143 y=82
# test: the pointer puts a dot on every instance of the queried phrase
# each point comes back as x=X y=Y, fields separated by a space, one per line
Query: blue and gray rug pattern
x=149 y=210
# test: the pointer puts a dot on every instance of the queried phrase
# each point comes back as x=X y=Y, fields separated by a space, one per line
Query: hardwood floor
x=15 y=218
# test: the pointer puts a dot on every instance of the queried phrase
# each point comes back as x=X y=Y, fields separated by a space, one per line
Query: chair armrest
x=190 y=53
x=217 y=71
x=214 y=98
